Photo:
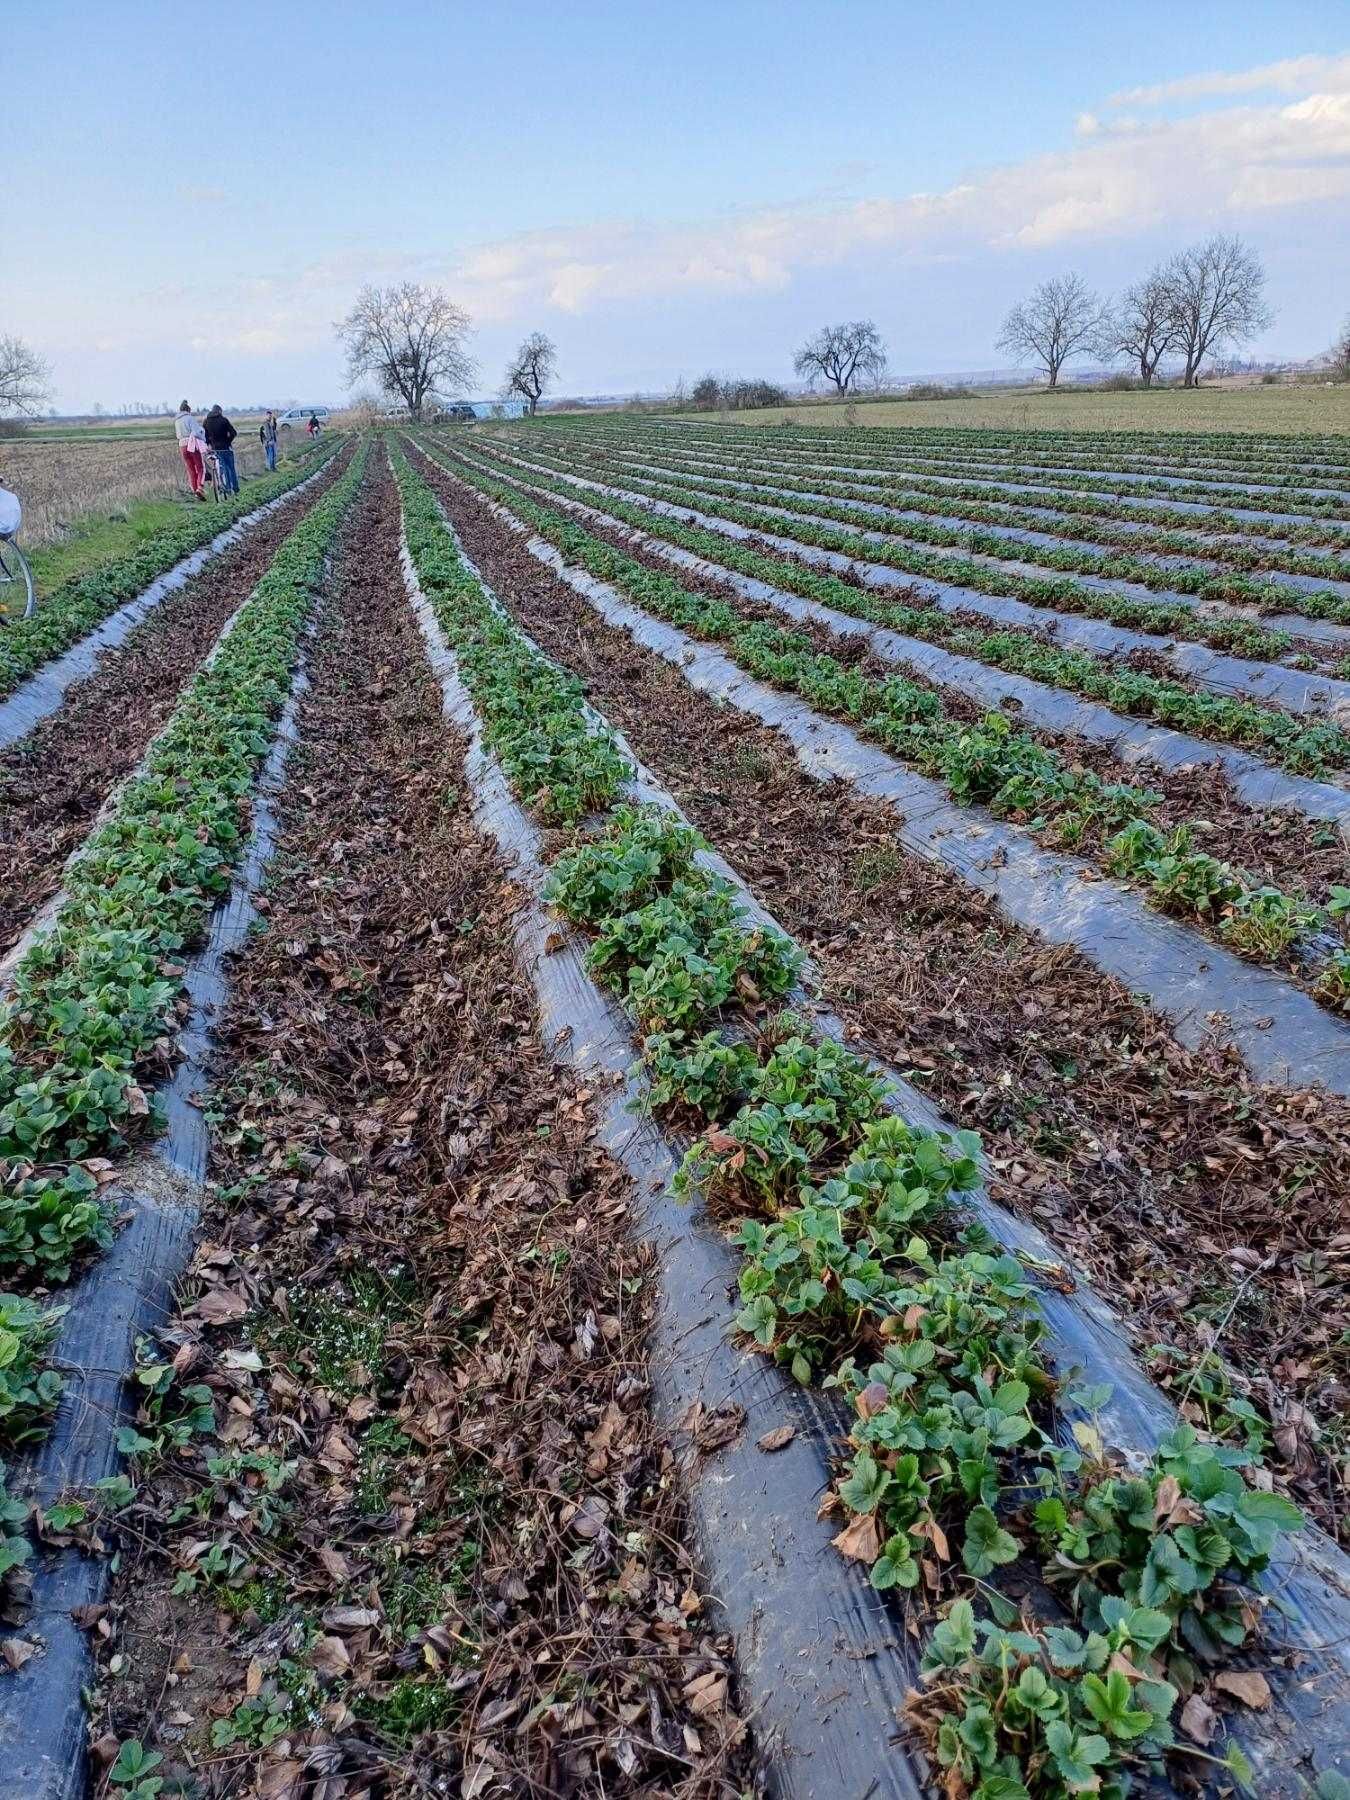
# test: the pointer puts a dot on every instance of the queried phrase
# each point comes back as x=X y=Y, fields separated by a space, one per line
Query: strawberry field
x=675 y=1120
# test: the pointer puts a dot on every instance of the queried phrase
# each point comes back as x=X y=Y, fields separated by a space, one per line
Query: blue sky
x=195 y=191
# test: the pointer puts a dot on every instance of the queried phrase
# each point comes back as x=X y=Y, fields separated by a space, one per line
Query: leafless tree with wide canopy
x=1062 y=318
x=25 y=377
x=409 y=339
x=842 y=354
x=1217 y=297
x=1144 y=327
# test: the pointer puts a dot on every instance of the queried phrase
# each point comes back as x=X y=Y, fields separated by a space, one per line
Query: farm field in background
x=742 y=1023
x=75 y=480
x=1285 y=408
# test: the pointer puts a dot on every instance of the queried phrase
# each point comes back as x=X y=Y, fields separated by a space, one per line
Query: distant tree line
x=714 y=393
x=1204 y=300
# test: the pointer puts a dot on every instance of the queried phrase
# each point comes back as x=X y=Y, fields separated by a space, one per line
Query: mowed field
x=766 y=1151
x=1287 y=408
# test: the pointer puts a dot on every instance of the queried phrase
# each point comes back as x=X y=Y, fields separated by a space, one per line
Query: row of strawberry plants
x=851 y=1248
x=1070 y=516
x=1235 y=452
x=1183 y=449
x=833 y=1191
x=75 y=609
x=532 y=717
x=1240 y=636
x=1202 y=583
x=94 y=998
x=992 y=763
x=1303 y=746
x=1276 y=494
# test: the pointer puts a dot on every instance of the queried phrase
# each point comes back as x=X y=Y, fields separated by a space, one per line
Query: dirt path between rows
x=53 y=782
x=471 y=1577
x=1204 y=1207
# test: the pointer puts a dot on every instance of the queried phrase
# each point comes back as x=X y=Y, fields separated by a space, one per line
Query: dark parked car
x=461 y=413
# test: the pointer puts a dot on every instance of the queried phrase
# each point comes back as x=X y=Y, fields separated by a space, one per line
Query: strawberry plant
x=1024 y=1709
x=640 y=854
x=1187 y=1537
x=825 y=1270
x=944 y=1411
x=705 y=1075
x=28 y=1392
x=15 y=1548
x=1265 y=923
x=805 y=1105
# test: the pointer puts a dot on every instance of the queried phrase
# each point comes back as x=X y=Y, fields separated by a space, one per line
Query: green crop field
x=1286 y=409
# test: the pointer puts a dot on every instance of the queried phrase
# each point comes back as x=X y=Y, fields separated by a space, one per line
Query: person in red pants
x=192 y=446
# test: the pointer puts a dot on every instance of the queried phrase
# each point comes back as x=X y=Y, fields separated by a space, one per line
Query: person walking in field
x=192 y=446
x=267 y=437
x=313 y=427
x=220 y=434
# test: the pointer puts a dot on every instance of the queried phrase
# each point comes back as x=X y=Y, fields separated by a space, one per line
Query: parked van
x=296 y=418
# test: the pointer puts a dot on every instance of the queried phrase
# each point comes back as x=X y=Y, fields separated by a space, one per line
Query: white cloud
x=1288 y=77
x=1120 y=176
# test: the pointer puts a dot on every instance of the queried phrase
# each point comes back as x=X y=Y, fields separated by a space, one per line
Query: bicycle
x=213 y=476
x=14 y=570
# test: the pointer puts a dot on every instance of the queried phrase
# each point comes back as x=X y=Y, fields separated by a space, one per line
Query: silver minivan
x=297 y=418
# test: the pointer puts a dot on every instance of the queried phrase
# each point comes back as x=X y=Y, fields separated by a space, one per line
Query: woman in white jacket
x=192 y=445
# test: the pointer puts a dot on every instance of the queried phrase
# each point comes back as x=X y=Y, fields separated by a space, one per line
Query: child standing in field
x=192 y=446
x=267 y=437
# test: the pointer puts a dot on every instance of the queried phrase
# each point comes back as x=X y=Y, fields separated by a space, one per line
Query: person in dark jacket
x=267 y=437
x=220 y=434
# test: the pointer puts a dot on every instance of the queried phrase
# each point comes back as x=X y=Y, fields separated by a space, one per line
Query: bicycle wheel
x=17 y=599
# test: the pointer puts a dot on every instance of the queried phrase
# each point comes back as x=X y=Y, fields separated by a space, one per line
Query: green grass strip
x=76 y=608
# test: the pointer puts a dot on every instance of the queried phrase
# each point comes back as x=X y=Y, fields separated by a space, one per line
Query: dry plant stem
x=391 y=1119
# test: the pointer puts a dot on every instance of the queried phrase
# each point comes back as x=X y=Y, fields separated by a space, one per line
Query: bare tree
x=1144 y=327
x=707 y=393
x=842 y=353
x=531 y=369
x=1217 y=297
x=25 y=377
x=410 y=339
x=1062 y=318
x=1340 y=354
